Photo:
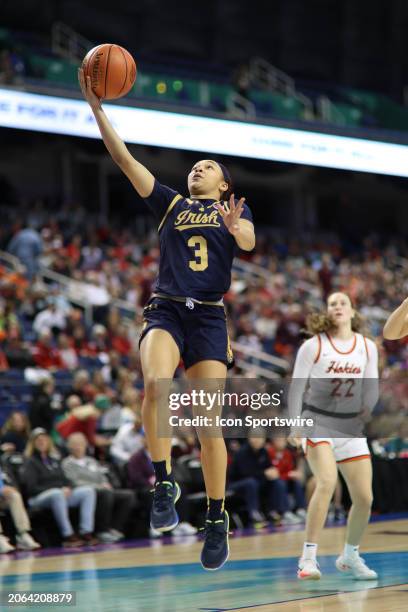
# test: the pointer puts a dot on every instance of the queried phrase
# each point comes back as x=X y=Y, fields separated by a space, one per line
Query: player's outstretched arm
x=396 y=326
x=140 y=177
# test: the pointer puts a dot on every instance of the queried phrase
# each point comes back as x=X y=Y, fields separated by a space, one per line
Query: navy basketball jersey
x=196 y=249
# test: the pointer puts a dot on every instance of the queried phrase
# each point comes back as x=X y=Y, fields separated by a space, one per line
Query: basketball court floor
x=165 y=576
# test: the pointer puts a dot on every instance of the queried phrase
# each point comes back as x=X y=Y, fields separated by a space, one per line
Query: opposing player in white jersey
x=335 y=382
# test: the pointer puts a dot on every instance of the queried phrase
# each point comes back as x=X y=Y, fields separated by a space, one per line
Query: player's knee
x=153 y=389
x=325 y=484
x=209 y=444
x=363 y=500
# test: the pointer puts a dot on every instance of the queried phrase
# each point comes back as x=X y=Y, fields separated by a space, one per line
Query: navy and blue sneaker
x=216 y=548
x=163 y=516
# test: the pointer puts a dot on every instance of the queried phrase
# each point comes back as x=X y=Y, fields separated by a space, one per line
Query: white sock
x=350 y=551
x=309 y=551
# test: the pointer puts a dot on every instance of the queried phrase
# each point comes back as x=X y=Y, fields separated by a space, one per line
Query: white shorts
x=344 y=449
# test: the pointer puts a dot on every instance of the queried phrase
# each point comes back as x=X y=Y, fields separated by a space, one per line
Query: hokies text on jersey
x=348 y=368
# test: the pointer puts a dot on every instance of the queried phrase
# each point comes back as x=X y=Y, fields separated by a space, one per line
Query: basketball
x=112 y=70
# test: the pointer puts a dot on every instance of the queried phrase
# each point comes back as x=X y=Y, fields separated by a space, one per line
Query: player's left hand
x=231 y=217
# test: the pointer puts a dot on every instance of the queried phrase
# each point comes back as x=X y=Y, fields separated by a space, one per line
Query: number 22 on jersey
x=200 y=261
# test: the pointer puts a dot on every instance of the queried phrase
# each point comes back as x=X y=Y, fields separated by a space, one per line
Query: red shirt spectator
x=120 y=341
x=79 y=419
x=281 y=458
x=45 y=355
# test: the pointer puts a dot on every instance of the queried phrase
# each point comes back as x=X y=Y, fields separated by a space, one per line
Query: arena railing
x=76 y=293
x=11 y=262
x=248 y=269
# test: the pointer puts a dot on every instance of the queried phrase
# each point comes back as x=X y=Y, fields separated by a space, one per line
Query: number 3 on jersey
x=200 y=261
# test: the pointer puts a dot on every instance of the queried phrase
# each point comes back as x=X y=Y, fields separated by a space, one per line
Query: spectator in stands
x=100 y=387
x=245 y=478
x=139 y=469
x=8 y=320
x=27 y=246
x=81 y=386
x=45 y=354
x=73 y=250
x=91 y=256
x=398 y=446
x=47 y=487
x=110 y=414
x=132 y=406
x=100 y=341
x=290 y=480
x=52 y=319
x=120 y=340
x=4 y=364
x=111 y=371
x=252 y=462
x=10 y=498
x=67 y=353
x=91 y=292
x=80 y=418
x=113 y=505
x=326 y=275
x=82 y=345
x=17 y=353
x=44 y=409
x=128 y=440
x=15 y=433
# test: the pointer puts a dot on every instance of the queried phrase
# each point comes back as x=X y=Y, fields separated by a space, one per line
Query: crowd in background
x=85 y=383
x=105 y=263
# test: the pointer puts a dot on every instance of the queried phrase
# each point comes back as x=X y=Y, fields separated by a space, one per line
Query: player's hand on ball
x=231 y=217
x=87 y=91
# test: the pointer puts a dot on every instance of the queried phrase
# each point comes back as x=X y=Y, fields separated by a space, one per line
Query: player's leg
x=323 y=465
x=214 y=462
x=213 y=449
x=358 y=476
x=160 y=357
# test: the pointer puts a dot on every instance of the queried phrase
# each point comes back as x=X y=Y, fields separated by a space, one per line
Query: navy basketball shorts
x=200 y=333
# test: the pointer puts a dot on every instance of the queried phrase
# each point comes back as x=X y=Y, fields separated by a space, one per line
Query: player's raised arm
x=140 y=177
x=396 y=326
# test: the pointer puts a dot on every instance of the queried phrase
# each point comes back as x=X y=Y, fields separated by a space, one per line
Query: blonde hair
x=320 y=322
x=8 y=425
x=30 y=448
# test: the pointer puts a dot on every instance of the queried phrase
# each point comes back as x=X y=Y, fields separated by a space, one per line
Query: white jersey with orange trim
x=344 y=449
x=336 y=378
x=341 y=375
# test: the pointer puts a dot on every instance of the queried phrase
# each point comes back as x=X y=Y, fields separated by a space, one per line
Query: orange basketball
x=112 y=70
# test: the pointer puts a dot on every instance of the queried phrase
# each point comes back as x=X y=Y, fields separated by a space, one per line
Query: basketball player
x=340 y=367
x=185 y=316
x=396 y=326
